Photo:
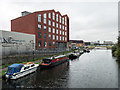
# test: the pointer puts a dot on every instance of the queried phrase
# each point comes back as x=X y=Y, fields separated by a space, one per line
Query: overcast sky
x=90 y=20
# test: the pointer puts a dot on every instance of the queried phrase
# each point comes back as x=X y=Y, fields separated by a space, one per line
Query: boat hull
x=53 y=64
x=22 y=74
x=72 y=56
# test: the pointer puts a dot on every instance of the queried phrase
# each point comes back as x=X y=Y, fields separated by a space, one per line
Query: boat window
x=46 y=60
x=10 y=70
x=18 y=69
x=32 y=65
x=26 y=67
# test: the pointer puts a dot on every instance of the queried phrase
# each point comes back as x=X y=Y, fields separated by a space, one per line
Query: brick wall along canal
x=97 y=69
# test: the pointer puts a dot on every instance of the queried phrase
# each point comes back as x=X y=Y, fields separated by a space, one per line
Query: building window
x=63 y=32
x=63 y=20
x=53 y=37
x=45 y=44
x=65 y=23
x=39 y=27
x=49 y=43
x=57 y=31
x=53 y=43
x=39 y=43
x=60 y=37
x=49 y=29
x=39 y=34
x=53 y=30
x=45 y=35
x=44 y=49
x=60 y=32
x=49 y=22
x=45 y=28
x=63 y=38
x=53 y=16
x=49 y=48
x=49 y=36
x=57 y=37
x=57 y=25
x=54 y=24
x=57 y=17
x=44 y=15
x=60 y=19
x=39 y=18
x=45 y=21
x=49 y=15
x=65 y=28
x=60 y=26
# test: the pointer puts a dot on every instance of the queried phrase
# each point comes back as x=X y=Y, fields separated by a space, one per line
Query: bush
x=114 y=50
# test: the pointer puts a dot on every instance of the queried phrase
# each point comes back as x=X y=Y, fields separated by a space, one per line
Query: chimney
x=24 y=13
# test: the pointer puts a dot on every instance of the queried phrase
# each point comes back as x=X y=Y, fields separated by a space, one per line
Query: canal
x=97 y=69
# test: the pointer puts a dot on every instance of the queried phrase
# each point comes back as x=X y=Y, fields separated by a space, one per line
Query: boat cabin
x=48 y=60
x=14 y=68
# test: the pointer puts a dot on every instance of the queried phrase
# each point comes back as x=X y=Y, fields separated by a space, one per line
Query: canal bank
x=36 y=59
x=97 y=69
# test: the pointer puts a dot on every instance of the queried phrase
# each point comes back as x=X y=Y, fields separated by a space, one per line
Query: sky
x=90 y=20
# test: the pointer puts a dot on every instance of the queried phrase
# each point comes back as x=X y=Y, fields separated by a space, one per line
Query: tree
x=118 y=49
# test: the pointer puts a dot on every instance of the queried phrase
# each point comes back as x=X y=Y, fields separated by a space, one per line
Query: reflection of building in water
x=16 y=43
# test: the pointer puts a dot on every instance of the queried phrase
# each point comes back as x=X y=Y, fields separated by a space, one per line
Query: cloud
x=88 y=20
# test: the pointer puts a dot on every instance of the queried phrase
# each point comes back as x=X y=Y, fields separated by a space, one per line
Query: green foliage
x=116 y=50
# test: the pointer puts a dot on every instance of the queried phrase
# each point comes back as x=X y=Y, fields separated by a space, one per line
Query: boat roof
x=55 y=57
x=28 y=63
x=15 y=65
x=60 y=56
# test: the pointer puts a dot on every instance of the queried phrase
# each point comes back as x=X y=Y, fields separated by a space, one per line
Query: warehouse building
x=74 y=44
x=16 y=43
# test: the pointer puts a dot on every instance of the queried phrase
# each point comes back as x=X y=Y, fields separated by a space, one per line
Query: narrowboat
x=87 y=50
x=81 y=52
x=53 y=61
x=16 y=71
x=74 y=55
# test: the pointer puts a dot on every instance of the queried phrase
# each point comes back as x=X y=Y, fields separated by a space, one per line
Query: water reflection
x=52 y=77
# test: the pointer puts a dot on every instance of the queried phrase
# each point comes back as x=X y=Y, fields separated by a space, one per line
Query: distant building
x=108 y=42
x=51 y=29
x=76 y=44
x=87 y=43
x=16 y=43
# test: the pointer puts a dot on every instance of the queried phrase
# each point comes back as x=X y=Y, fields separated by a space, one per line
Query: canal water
x=97 y=69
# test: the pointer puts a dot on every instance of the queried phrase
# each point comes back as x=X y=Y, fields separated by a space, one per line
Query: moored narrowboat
x=16 y=71
x=74 y=55
x=53 y=61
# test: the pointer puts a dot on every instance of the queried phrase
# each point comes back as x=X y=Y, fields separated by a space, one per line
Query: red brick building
x=76 y=43
x=50 y=28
